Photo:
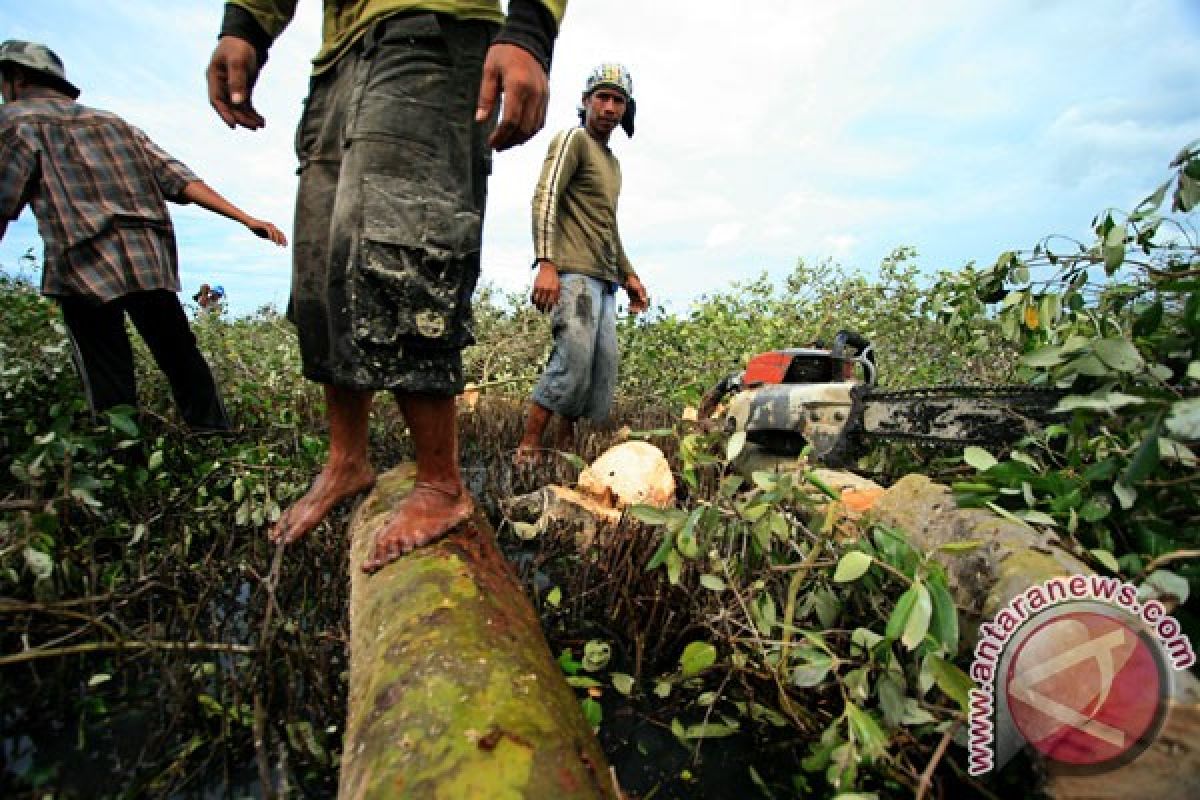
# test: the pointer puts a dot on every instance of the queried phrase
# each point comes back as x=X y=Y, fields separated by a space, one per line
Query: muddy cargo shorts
x=393 y=178
x=581 y=374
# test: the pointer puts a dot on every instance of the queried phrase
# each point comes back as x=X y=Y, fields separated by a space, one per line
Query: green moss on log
x=453 y=692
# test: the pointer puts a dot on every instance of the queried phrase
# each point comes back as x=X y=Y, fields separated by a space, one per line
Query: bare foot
x=428 y=513
x=331 y=487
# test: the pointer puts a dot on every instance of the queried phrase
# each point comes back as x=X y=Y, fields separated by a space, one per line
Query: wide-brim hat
x=39 y=58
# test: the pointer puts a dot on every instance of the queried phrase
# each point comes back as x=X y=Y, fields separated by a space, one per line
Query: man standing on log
x=97 y=187
x=394 y=152
x=580 y=263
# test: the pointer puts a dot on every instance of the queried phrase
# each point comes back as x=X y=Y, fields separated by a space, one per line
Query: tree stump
x=453 y=691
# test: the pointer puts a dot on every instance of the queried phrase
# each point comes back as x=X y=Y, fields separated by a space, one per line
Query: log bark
x=453 y=691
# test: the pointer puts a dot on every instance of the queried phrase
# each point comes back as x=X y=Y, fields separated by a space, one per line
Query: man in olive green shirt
x=580 y=263
x=394 y=154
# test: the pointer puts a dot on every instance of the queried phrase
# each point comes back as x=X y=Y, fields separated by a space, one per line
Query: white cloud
x=723 y=233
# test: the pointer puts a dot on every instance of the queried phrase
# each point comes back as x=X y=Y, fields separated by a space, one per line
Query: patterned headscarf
x=614 y=76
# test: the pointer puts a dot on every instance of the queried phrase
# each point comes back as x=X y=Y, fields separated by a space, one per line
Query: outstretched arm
x=205 y=196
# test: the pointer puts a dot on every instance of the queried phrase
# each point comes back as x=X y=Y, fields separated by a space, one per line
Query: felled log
x=453 y=691
x=1012 y=557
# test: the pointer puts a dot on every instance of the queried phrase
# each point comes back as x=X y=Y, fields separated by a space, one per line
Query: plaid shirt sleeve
x=18 y=168
x=171 y=174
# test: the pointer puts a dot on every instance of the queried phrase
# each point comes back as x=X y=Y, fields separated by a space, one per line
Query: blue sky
x=766 y=132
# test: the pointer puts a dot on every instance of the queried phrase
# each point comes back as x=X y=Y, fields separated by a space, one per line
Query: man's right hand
x=545 y=286
x=231 y=76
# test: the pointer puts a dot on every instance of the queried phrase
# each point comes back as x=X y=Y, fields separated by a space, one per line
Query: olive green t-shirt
x=575 y=208
x=343 y=22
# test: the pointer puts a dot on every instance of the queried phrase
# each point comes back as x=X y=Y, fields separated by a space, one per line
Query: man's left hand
x=639 y=301
x=512 y=72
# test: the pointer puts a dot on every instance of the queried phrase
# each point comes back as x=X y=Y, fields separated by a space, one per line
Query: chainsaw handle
x=865 y=356
x=713 y=397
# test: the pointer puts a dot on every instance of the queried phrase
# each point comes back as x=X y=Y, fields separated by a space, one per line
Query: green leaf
x=944 y=624
x=554 y=597
x=950 y=679
x=1164 y=583
x=573 y=460
x=123 y=421
x=1183 y=421
x=1097 y=401
x=622 y=683
x=1149 y=320
x=979 y=458
x=733 y=447
x=1126 y=495
x=566 y=660
x=665 y=547
x=708 y=730
x=891 y=698
x=697 y=657
x=686 y=542
x=712 y=582
x=596 y=655
x=852 y=566
x=1048 y=356
x=917 y=624
x=899 y=617
x=581 y=682
x=1107 y=559
x=651 y=515
x=1037 y=517
x=1088 y=365
x=592 y=712
x=674 y=567
x=1095 y=509
x=866 y=733
x=813 y=670
x=1144 y=460
x=1153 y=201
x=1120 y=354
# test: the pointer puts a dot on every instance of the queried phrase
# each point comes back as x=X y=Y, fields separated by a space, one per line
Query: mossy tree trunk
x=453 y=691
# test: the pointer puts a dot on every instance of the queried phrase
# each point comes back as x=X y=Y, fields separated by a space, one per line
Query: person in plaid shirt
x=97 y=187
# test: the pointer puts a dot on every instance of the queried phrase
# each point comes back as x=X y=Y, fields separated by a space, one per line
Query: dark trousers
x=105 y=358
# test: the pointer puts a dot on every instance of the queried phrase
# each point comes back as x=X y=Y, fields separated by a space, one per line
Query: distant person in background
x=580 y=262
x=97 y=187
x=395 y=148
x=209 y=298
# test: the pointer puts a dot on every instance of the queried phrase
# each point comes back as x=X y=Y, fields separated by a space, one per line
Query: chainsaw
x=828 y=401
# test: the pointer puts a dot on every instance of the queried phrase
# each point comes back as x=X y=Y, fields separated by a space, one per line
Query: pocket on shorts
x=416 y=267
x=406 y=86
